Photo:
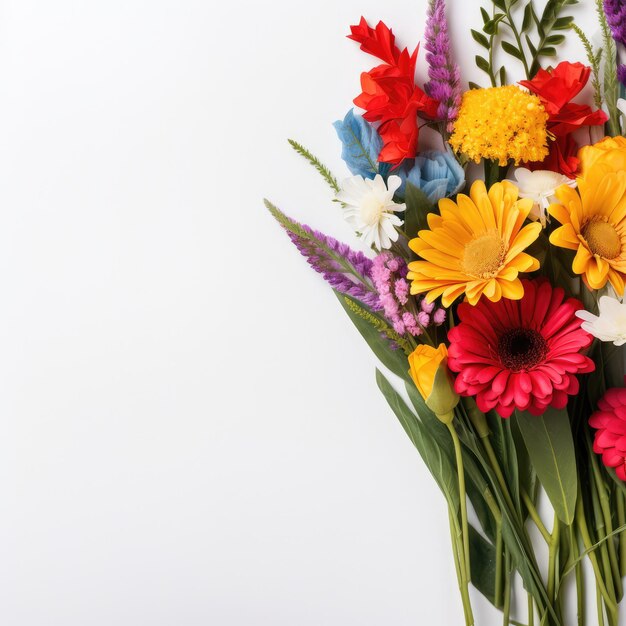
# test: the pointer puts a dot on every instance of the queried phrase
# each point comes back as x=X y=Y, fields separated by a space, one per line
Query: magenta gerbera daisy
x=520 y=354
x=610 y=424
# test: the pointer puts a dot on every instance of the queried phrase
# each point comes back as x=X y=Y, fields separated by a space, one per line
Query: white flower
x=369 y=208
x=539 y=186
x=621 y=105
x=610 y=325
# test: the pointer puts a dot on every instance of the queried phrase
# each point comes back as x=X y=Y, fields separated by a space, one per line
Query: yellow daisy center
x=371 y=210
x=483 y=255
x=602 y=239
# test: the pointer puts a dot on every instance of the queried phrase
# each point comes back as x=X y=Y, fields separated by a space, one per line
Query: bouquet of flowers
x=495 y=306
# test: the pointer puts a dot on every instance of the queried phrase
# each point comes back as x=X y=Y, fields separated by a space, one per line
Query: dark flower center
x=521 y=349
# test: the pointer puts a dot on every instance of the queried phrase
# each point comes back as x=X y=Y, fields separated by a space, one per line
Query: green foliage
x=394 y=360
x=550 y=446
x=594 y=58
x=611 y=84
x=417 y=208
x=380 y=325
x=483 y=564
x=536 y=37
x=285 y=221
x=436 y=459
x=316 y=163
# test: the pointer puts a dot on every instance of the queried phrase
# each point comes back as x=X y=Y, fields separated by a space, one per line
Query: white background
x=190 y=429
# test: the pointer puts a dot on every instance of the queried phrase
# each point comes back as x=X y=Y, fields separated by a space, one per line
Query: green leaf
x=418 y=206
x=555 y=40
x=528 y=17
x=503 y=75
x=474 y=85
x=500 y=4
x=531 y=47
x=438 y=463
x=316 y=163
x=483 y=564
x=550 y=446
x=491 y=27
x=482 y=63
x=480 y=38
x=563 y=23
x=547 y=51
x=513 y=533
x=509 y=48
x=486 y=17
x=394 y=360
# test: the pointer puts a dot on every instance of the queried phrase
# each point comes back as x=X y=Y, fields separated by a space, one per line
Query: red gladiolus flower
x=555 y=88
x=520 y=354
x=610 y=422
x=389 y=94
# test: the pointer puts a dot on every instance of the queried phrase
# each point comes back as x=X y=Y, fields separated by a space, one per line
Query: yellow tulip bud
x=429 y=371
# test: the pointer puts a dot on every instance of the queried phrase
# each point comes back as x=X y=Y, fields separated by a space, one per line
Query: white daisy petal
x=540 y=187
x=369 y=208
x=610 y=324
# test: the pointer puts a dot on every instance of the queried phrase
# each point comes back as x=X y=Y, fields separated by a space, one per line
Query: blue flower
x=436 y=173
x=361 y=146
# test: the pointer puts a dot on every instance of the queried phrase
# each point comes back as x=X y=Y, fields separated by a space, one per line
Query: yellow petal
x=581 y=260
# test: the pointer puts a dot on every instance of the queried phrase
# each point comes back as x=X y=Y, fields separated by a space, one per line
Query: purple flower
x=406 y=315
x=444 y=75
x=347 y=271
x=615 y=11
x=621 y=74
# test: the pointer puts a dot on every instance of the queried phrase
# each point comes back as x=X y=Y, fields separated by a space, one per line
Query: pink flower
x=610 y=424
x=520 y=354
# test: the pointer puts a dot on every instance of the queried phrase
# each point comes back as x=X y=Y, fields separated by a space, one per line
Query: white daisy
x=621 y=105
x=540 y=186
x=610 y=325
x=369 y=208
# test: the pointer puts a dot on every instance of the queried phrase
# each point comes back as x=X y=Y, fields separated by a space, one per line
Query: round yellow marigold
x=594 y=225
x=501 y=124
x=475 y=246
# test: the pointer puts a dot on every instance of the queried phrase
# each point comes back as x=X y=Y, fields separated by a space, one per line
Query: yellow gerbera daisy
x=594 y=224
x=475 y=246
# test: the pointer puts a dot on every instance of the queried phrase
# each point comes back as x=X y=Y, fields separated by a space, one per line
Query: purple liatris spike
x=615 y=11
x=444 y=82
x=406 y=315
x=346 y=270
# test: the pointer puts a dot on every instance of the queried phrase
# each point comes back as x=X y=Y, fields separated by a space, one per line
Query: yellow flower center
x=483 y=256
x=603 y=239
x=371 y=210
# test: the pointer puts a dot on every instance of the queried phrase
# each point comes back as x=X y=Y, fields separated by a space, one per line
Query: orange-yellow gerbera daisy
x=594 y=224
x=475 y=246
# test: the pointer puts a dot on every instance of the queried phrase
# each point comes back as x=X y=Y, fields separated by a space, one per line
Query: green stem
x=464 y=549
x=511 y=24
x=495 y=466
x=621 y=520
x=507 y=589
x=586 y=537
x=531 y=611
x=457 y=550
x=580 y=582
x=499 y=554
x=605 y=508
x=534 y=515
x=462 y=496
x=599 y=607
x=601 y=533
x=552 y=562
